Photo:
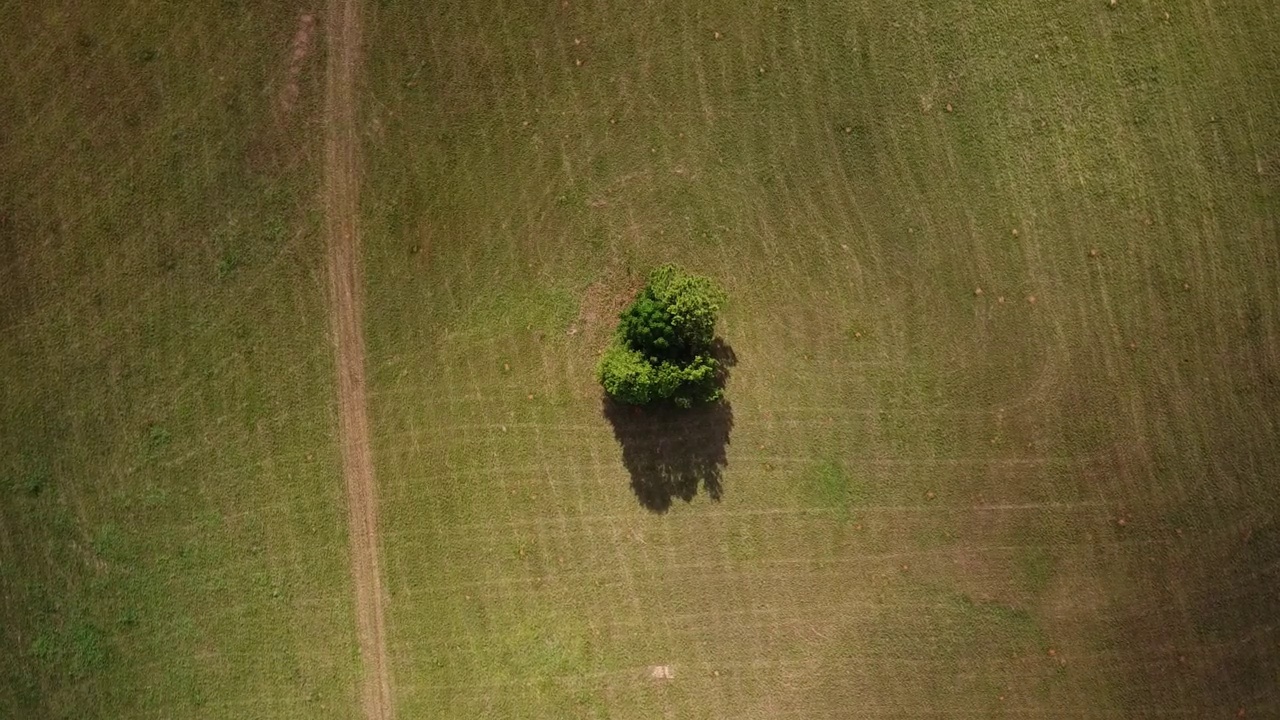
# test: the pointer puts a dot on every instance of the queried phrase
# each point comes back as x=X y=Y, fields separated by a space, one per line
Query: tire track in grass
x=342 y=205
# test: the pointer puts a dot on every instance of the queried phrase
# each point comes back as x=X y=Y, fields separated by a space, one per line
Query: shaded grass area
x=171 y=531
x=671 y=452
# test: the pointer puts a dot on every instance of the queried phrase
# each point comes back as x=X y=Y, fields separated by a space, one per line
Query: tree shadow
x=668 y=451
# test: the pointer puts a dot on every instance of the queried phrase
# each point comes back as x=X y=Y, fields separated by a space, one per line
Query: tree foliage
x=661 y=351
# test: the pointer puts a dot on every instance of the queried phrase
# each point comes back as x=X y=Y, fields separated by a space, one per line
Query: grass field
x=172 y=535
x=1002 y=432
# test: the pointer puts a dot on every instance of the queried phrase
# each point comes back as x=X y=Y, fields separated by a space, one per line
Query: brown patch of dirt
x=603 y=301
x=342 y=202
x=299 y=50
x=278 y=145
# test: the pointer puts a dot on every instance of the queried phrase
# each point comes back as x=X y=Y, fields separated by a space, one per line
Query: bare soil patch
x=601 y=304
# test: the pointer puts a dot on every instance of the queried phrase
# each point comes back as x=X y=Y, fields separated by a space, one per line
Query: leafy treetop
x=662 y=348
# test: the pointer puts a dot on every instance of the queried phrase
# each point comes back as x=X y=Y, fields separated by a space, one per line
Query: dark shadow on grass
x=669 y=452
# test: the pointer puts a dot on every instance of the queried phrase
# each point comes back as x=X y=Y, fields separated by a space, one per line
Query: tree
x=661 y=351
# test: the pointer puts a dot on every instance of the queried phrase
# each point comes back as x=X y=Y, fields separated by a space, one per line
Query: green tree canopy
x=661 y=351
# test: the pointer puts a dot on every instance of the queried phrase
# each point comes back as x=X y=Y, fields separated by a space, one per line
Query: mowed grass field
x=172 y=522
x=1052 y=498
x=1005 y=303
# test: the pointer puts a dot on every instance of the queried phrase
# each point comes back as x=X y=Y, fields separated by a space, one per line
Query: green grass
x=172 y=529
x=936 y=502
x=807 y=159
x=834 y=489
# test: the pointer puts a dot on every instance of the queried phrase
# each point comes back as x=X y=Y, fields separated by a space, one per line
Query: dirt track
x=342 y=203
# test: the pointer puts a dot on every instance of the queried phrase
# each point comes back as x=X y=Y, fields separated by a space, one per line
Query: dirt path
x=342 y=202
